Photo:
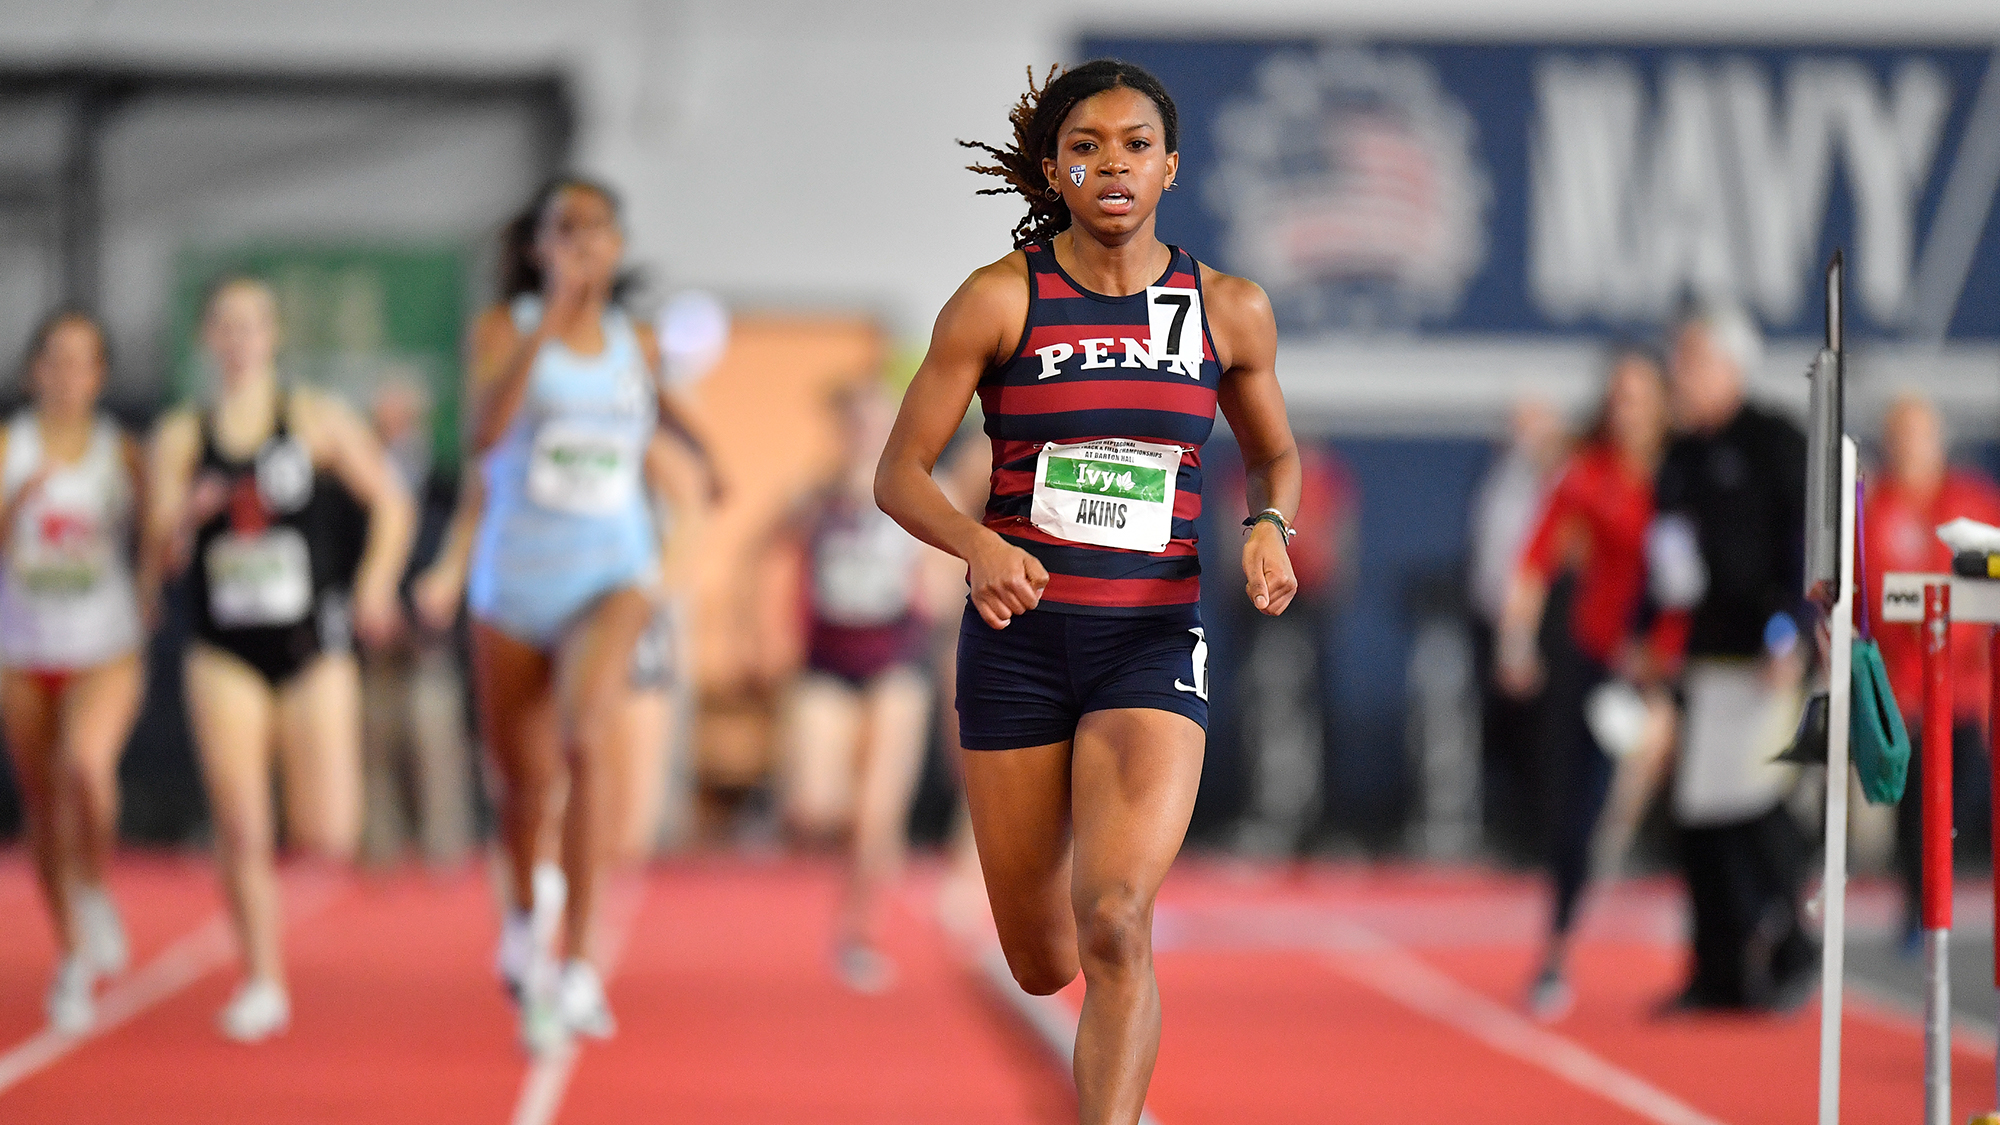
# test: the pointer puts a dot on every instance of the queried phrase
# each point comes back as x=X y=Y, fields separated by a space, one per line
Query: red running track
x=1329 y=994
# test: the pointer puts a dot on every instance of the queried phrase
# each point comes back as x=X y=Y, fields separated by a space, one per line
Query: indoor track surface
x=1316 y=994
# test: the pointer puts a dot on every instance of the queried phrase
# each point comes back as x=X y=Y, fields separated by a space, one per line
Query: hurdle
x=1935 y=601
x=1829 y=545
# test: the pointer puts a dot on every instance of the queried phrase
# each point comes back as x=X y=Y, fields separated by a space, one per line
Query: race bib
x=1114 y=492
x=260 y=579
x=863 y=575
x=1174 y=316
x=581 y=469
x=58 y=552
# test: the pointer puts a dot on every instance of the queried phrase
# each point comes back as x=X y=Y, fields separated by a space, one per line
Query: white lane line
x=1047 y=1016
x=1415 y=984
x=548 y=1076
x=1888 y=1008
x=191 y=957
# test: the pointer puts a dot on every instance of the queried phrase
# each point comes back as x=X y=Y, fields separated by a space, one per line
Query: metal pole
x=1936 y=797
x=1833 y=882
x=1993 y=763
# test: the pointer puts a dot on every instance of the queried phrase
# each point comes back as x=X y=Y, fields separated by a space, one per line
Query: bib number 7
x=1174 y=315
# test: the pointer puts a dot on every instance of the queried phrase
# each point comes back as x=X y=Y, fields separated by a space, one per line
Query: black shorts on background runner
x=1028 y=684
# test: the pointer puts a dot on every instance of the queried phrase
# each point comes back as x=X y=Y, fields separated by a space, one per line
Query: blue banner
x=1578 y=188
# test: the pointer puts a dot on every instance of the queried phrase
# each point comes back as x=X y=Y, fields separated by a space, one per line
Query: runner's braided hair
x=1038 y=116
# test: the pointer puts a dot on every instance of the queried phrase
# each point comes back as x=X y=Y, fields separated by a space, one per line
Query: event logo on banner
x=1574 y=188
x=1348 y=186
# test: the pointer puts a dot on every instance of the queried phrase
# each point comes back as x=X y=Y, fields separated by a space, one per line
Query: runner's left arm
x=676 y=420
x=674 y=474
x=1246 y=340
x=351 y=450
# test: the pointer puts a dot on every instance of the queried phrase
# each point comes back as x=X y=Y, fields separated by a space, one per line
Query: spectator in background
x=1726 y=558
x=1914 y=493
x=1503 y=513
x=1594 y=524
x=413 y=689
x=856 y=719
x=1283 y=703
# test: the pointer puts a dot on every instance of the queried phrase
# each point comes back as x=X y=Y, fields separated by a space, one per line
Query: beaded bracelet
x=1276 y=519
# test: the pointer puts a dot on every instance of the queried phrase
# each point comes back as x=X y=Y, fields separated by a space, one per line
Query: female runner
x=564 y=403
x=1595 y=522
x=679 y=493
x=70 y=641
x=1100 y=355
x=856 y=718
x=245 y=491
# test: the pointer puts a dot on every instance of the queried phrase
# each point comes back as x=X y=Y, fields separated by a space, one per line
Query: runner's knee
x=1042 y=973
x=1114 y=929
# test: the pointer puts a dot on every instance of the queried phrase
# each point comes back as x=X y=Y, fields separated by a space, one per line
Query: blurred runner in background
x=856 y=719
x=70 y=640
x=246 y=491
x=1914 y=493
x=565 y=403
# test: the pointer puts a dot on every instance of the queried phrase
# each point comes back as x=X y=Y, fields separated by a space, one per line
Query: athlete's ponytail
x=1036 y=119
x=519 y=271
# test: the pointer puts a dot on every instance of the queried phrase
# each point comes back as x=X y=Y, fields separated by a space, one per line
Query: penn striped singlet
x=1087 y=368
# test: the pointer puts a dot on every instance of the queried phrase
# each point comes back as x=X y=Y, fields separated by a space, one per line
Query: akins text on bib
x=1113 y=492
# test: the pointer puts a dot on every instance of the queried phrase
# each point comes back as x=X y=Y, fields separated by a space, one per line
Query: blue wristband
x=1781 y=634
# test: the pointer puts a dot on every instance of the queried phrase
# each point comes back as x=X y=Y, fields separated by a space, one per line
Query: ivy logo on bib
x=1114 y=492
x=581 y=469
x=264 y=579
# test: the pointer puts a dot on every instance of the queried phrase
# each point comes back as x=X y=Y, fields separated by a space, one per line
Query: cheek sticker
x=1076 y=174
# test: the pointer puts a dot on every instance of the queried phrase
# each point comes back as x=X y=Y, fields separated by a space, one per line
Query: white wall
x=803 y=151
x=798 y=153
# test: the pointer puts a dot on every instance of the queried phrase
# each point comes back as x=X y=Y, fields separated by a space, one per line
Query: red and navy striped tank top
x=1084 y=371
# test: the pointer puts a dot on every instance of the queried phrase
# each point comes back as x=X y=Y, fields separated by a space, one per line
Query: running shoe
x=526 y=933
x=580 y=999
x=71 y=1009
x=551 y=895
x=542 y=1028
x=517 y=948
x=1550 y=998
x=864 y=969
x=259 y=1010
x=101 y=934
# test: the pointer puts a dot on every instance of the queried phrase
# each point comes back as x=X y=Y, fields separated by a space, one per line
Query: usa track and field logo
x=1348 y=187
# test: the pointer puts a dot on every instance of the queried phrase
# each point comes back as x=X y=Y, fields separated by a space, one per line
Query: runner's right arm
x=981 y=324
x=171 y=508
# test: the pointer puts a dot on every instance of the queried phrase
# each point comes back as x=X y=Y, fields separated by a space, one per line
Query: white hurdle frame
x=1833 y=888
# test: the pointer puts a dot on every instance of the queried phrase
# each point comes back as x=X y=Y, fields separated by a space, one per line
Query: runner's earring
x=1053 y=193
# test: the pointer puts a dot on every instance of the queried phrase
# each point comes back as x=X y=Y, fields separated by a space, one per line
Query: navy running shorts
x=1028 y=684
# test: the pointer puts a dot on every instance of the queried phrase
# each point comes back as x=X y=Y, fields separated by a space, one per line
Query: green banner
x=1107 y=478
x=355 y=317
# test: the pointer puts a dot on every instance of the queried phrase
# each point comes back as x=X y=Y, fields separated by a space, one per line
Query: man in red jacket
x=1913 y=493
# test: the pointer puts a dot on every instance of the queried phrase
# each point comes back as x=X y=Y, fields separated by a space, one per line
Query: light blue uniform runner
x=566 y=519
